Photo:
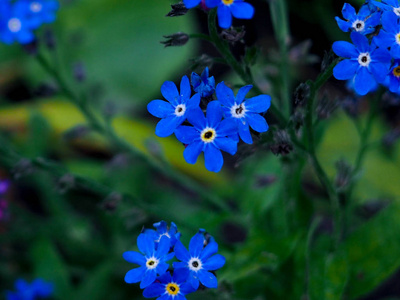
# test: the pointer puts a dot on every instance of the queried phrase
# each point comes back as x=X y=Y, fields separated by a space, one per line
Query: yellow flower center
x=398 y=38
x=228 y=2
x=396 y=71
x=172 y=288
x=208 y=135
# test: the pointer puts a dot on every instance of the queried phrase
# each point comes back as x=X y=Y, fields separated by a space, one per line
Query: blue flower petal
x=345 y=69
x=209 y=250
x=242 y=93
x=343 y=25
x=364 y=12
x=379 y=71
x=363 y=81
x=225 y=95
x=180 y=275
x=384 y=39
x=196 y=243
x=134 y=257
x=214 y=262
x=360 y=41
x=192 y=152
x=186 y=92
x=204 y=74
x=227 y=127
x=160 y=109
x=145 y=244
x=348 y=11
x=162 y=268
x=170 y=92
x=154 y=290
x=193 y=280
x=390 y=22
x=181 y=252
x=163 y=246
x=244 y=131
x=224 y=16
x=257 y=122
x=242 y=10
x=186 y=134
x=179 y=264
x=394 y=84
x=258 y=104
x=166 y=127
x=191 y=3
x=395 y=51
x=226 y=144
x=344 y=49
x=208 y=279
x=196 y=80
x=213 y=158
x=135 y=275
x=187 y=288
x=196 y=118
x=212 y=3
x=214 y=113
x=148 y=278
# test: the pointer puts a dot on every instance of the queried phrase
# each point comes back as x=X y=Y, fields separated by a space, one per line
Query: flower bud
x=176 y=39
x=178 y=9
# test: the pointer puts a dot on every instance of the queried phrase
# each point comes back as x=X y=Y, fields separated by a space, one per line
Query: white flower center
x=36 y=7
x=14 y=25
x=161 y=235
x=238 y=110
x=152 y=263
x=358 y=25
x=180 y=110
x=195 y=264
x=396 y=10
x=208 y=135
x=364 y=59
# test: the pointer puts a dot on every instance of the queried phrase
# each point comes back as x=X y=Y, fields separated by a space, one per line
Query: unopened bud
x=263 y=181
x=65 y=183
x=49 y=39
x=282 y=143
x=76 y=132
x=22 y=168
x=178 y=9
x=176 y=39
x=329 y=57
x=79 y=72
x=112 y=201
x=301 y=94
x=233 y=35
x=31 y=48
x=343 y=176
x=326 y=106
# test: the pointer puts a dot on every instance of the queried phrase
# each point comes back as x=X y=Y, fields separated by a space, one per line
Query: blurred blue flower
x=38 y=289
x=162 y=230
x=389 y=5
x=199 y=261
x=169 y=287
x=209 y=135
x=389 y=35
x=226 y=8
x=15 y=24
x=203 y=84
x=173 y=113
x=40 y=11
x=364 y=22
x=244 y=112
x=365 y=62
x=153 y=261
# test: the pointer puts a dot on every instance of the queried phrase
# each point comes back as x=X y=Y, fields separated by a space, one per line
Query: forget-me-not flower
x=389 y=35
x=203 y=84
x=364 y=22
x=244 y=112
x=226 y=8
x=151 y=262
x=173 y=113
x=365 y=62
x=199 y=260
x=389 y=5
x=162 y=230
x=41 y=11
x=38 y=289
x=169 y=287
x=209 y=135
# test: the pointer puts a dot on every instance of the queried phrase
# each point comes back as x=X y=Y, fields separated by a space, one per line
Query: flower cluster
x=38 y=289
x=227 y=118
x=159 y=246
x=19 y=19
x=374 y=56
x=225 y=9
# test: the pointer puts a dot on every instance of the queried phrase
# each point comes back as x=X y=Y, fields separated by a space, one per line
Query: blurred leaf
x=49 y=266
x=336 y=276
x=38 y=139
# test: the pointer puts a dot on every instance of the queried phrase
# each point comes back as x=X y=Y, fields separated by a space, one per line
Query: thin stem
x=201 y=36
x=122 y=145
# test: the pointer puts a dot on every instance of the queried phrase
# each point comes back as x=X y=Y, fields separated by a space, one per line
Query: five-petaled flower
x=153 y=261
x=173 y=113
x=203 y=84
x=169 y=287
x=389 y=5
x=41 y=11
x=226 y=8
x=209 y=135
x=389 y=36
x=364 y=22
x=199 y=260
x=365 y=62
x=243 y=111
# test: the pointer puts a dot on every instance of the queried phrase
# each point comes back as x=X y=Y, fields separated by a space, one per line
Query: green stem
x=224 y=50
x=201 y=36
x=122 y=145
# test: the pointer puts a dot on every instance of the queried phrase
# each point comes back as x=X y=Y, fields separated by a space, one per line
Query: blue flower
x=393 y=82
x=364 y=22
x=191 y=3
x=389 y=36
x=14 y=23
x=226 y=8
x=162 y=230
x=170 y=288
x=244 y=112
x=365 y=62
x=199 y=261
x=40 y=11
x=153 y=261
x=209 y=135
x=173 y=113
x=389 y=5
x=203 y=84
x=25 y=291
